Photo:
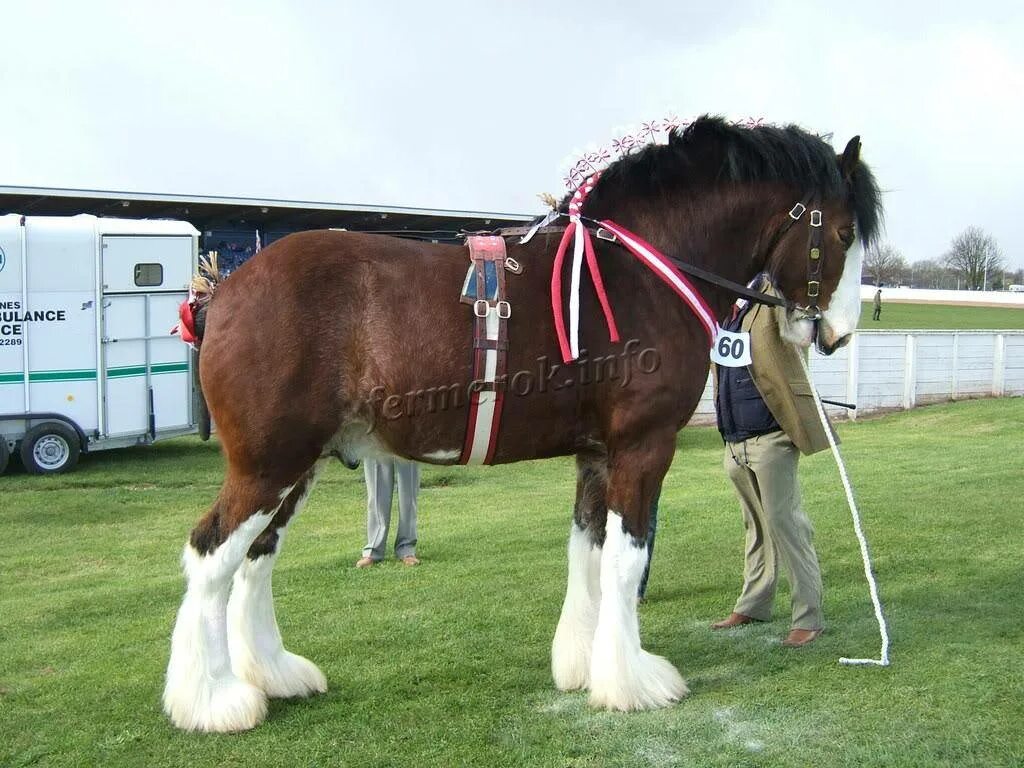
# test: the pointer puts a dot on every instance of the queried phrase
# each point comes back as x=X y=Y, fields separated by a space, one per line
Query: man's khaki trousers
x=763 y=470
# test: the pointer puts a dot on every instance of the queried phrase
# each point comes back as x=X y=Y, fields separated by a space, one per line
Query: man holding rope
x=767 y=417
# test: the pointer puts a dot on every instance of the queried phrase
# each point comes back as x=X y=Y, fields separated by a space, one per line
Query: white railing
x=887 y=370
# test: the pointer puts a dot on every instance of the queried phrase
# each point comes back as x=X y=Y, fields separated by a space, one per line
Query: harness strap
x=490 y=352
x=664 y=269
x=522 y=231
x=814 y=259
x=738 y=288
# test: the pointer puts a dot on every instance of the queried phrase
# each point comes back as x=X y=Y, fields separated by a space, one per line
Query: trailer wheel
x=5 y=454
x=50 y=448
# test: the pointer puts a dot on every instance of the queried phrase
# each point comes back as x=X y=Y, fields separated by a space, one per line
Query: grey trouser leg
x=777 y=530
x=408 y=487
x=380 y=483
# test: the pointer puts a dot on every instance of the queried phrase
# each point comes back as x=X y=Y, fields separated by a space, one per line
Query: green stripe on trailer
x=90 y=375
x=140 y=370
x=169 y=368
x=127 y=370
x=73 y=375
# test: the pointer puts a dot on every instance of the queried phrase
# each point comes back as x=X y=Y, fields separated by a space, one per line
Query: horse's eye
x=847 y=235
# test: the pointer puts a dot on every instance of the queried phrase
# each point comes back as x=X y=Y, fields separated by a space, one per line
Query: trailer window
x=149 y=275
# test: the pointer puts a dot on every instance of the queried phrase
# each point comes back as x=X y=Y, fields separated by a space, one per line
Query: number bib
x=731 y=348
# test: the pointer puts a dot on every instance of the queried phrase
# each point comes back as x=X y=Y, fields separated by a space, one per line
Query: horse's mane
x=711 y=150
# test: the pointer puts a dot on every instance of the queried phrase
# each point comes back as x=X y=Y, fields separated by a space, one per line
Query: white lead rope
x=883 y=631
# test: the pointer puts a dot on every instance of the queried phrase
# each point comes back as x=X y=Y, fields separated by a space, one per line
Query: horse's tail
x=193 y=327
x=204 y=284
x=192 y=311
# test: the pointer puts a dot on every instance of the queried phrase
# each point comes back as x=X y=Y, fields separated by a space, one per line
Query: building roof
x=208 y=212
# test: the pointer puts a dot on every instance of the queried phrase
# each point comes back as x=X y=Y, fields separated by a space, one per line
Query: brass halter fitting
x=814 y=259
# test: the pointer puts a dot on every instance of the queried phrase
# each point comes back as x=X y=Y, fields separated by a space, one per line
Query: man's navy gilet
x=742 y=412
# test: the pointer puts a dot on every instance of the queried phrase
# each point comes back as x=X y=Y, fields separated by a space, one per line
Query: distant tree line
x=974 y=262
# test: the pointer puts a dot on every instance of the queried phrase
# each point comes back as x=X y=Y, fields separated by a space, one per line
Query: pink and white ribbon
x=658 y=263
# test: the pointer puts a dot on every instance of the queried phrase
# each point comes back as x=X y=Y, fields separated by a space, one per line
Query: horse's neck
x=725 y=239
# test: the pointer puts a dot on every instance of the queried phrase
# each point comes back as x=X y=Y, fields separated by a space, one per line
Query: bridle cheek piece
x=815 y=258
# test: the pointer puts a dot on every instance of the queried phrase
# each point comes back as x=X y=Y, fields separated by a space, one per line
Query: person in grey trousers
x=381 y=474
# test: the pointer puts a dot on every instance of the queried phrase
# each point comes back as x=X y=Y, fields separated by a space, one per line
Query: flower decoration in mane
x=649 y=132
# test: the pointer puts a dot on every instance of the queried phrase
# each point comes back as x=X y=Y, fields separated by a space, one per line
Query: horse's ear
x=850 y=158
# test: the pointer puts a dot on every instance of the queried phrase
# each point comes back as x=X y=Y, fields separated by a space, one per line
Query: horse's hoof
x=650 y=682
x=570 y=665
x=286 y=676
x=227 y=706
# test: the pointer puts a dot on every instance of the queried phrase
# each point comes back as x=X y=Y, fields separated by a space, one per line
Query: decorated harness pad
x=484 y=290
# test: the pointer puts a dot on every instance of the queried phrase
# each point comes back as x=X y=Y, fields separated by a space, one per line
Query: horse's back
x=303 y=332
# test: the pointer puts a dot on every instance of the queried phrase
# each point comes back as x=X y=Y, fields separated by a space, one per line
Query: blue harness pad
x=490 y=283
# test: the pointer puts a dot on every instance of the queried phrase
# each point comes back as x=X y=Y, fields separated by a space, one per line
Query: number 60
x=730 y=348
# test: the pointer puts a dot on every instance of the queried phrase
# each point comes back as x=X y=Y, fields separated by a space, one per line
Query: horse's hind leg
x=202 y=693
x=258 y=655
x=574 y=638
x=622 y=674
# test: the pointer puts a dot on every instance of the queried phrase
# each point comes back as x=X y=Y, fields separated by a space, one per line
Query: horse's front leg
x=623 y=675
x=574 y=638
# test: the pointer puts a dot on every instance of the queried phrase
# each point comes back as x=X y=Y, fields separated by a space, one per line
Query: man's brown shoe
x=734 y=620
x=800 y=637
x=411 y=560
x=365 y=562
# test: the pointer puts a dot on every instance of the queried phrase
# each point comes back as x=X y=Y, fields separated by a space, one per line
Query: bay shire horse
x=344 y=344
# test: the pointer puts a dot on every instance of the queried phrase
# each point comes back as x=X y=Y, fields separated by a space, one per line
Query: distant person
x=878 y=305
x=381 y=475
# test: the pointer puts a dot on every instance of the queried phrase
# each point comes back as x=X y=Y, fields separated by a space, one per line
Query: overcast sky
x=477 y=106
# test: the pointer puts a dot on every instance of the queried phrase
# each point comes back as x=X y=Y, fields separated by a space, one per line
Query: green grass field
x=940 y=317
x=447 y=663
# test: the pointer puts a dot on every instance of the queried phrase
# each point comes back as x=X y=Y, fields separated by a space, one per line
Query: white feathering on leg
x=201 y=692
x=258 y=655
x=571 y=648
x=623 y=675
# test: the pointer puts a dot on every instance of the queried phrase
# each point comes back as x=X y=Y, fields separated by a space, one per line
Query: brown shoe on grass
x=365 y=562
x=734 y=620
x=411 y=560
x=798 y=638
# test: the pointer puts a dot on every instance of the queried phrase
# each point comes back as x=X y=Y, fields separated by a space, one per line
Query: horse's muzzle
x=825 y=339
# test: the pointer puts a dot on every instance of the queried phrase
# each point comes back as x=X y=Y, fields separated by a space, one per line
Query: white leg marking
x=254 y=640
x=570 y=650
x=201 y=693
x=623 y=675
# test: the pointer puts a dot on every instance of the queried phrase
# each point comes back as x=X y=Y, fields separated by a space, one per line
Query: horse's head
x=819 y=255
x=779 y=197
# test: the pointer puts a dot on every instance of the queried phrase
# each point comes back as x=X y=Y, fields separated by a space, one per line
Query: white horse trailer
x=87 y=361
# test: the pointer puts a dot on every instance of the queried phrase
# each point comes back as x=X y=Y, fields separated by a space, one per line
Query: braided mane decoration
x=649 y=132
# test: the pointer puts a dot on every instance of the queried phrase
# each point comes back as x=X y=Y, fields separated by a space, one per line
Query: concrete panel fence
x=887 y=370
